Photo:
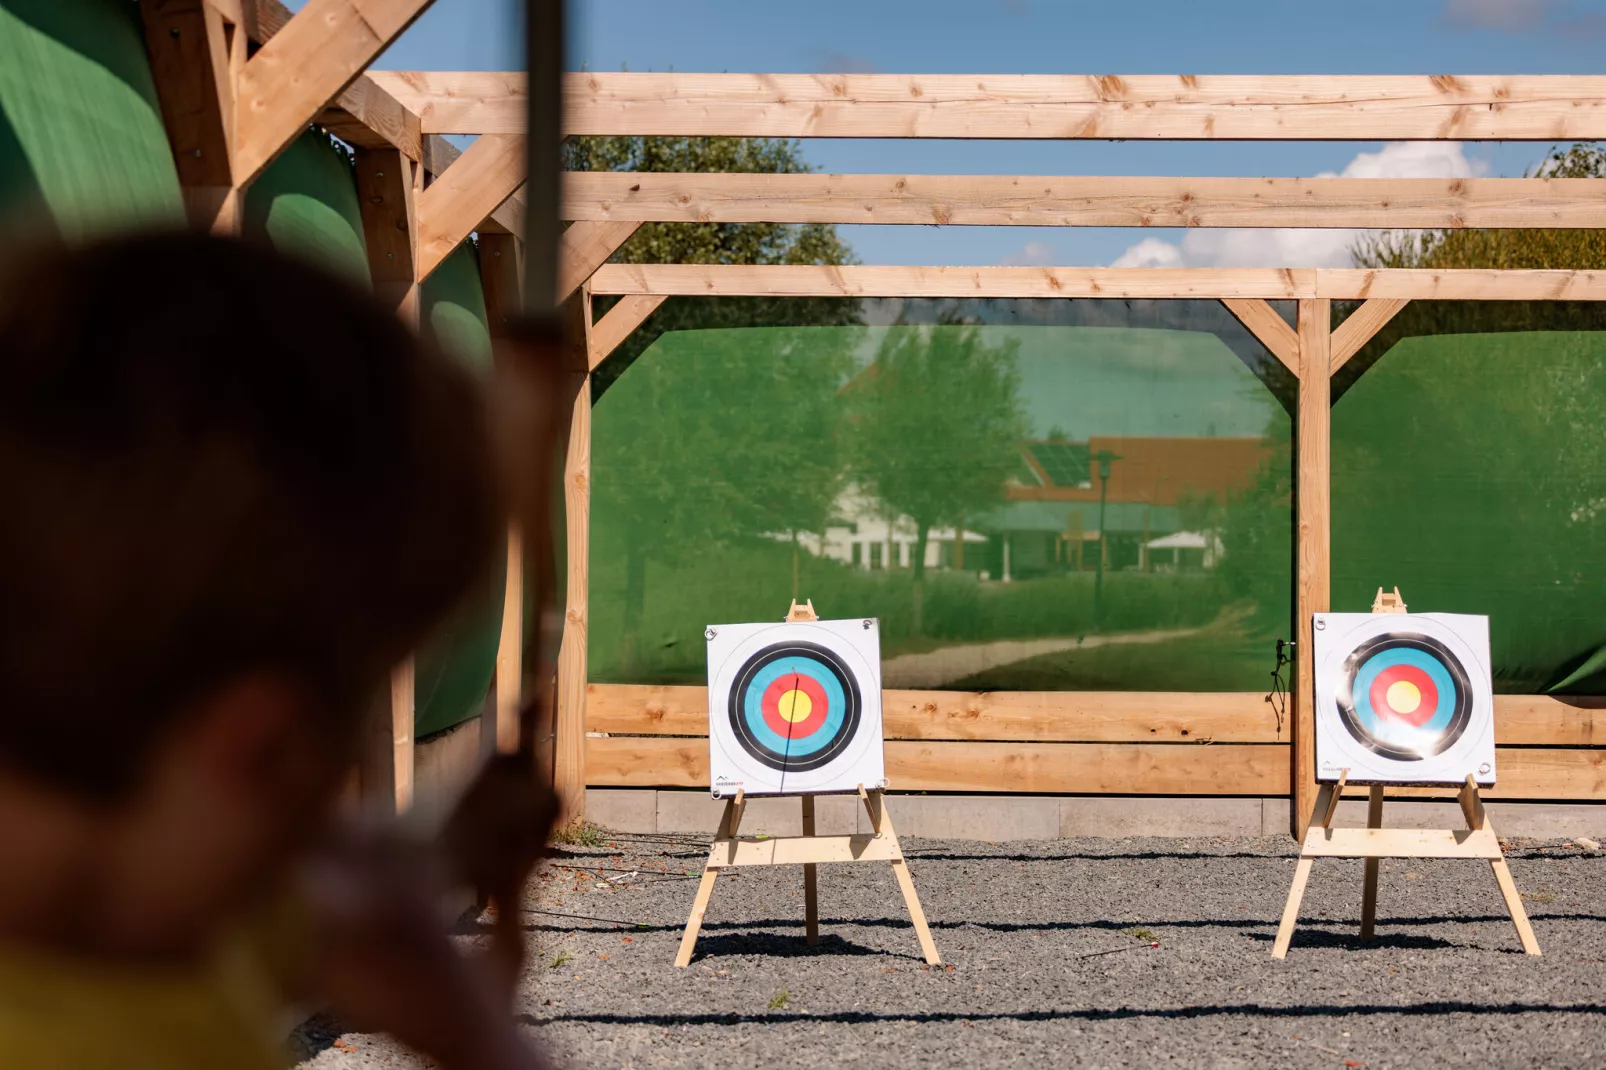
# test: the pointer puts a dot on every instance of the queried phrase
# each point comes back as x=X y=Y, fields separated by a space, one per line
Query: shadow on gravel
x=1091 y=1014
x=775 y=945
x=1139 y=856
x=1309 y=937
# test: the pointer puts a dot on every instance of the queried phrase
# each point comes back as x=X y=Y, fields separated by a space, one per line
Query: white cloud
x=1224 y=247
x=1032 y=254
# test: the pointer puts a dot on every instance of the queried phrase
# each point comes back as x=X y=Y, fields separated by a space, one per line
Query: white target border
x=863 y=761
x=1337 y=635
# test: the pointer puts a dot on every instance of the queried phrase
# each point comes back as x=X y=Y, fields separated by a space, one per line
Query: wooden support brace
x=584 y=248
x=1265 y=324
x=303 y=68
x=1359 y=327
x=619 y=323
x=1374 y=820
x=464 y=194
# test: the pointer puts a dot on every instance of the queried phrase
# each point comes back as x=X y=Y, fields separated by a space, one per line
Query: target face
x=1403 y=697
x=794 y=707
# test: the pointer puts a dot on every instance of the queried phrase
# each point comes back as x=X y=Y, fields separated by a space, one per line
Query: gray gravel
x=1445 y=983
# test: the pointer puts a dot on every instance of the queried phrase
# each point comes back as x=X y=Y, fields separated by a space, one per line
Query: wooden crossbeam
x=1094 y=201
x=1266 y=324
x=1359 y=327
x=304 y=67
x=464 y=194
x=584 y=248
x=1203 y=107
x=1272 y=284
x=621 y=321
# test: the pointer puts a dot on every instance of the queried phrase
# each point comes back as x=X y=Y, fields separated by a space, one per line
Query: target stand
x=730 y=850
x=1477 y=841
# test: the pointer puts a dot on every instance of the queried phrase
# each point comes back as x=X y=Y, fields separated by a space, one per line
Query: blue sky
x=1066 y=36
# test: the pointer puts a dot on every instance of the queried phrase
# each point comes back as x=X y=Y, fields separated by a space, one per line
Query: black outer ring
x=850 y=719
x=1412 y=641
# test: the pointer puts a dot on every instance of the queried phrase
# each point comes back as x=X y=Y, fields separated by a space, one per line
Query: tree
x=713 y=438
x=935 y=428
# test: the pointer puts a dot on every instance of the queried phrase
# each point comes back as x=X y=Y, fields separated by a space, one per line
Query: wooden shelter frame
x=240 y=79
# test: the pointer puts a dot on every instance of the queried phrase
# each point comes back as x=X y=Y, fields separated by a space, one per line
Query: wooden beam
x=1266 y=324
x=387 y=190
x=585 y=247
x=1313 y=581
x=620 y=322
x=1024 y=716
x=1093 y=201
x=464 y=194
x=501 y=278
x=304 y=67
x=1186 y=107
x=1272 y=284
x=810 y=280
x=195 y=56
x=438 y=154
x=1359 y=327
x=571 y=757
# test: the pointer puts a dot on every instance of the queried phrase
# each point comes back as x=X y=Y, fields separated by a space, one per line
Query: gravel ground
x=1018 y=925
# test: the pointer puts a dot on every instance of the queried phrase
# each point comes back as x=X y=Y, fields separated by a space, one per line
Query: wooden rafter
x=303 y=69
x=466 y=193
x=585 y=247
x=1359 y=327
x=608 y=333
x=1271 y=284
x=1203 y=107
x=1095 y=201
x=1265 y=324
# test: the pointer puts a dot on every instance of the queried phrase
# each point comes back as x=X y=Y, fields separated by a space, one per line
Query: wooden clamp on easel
x=880 y=845
x=1375 y=842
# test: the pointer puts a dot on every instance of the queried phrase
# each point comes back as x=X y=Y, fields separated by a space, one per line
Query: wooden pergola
x=230 y=110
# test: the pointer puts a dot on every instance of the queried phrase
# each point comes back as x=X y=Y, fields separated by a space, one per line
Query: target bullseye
x=794 y=706
x=1405 y=696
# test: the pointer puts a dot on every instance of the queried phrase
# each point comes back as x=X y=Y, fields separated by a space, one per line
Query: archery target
x=1403 y=698
x=794 y=707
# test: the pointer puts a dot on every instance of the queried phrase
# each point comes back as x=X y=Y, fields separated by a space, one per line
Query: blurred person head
x=234 y=492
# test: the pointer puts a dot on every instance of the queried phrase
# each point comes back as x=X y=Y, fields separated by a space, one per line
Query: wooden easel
x=881 y=845
x=1374 y=842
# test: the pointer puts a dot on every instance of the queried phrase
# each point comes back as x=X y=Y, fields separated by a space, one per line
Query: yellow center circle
x=1404 y=696
x=795 y=706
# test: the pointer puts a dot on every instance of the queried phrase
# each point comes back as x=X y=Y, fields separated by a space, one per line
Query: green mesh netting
x=1469 y=468
x=82 y=147
x=736 y=467
x=305 y=204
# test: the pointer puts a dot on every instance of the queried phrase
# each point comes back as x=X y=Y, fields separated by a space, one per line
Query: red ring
x=771 y=706
x=1379 y=690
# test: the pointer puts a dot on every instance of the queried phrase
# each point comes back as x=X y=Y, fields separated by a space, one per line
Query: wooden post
x=501 y=271
x=811 y=886
x=570 y=759
x=1312 y=479
x=1374 y=820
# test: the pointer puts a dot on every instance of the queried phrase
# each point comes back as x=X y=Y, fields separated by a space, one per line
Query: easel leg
x=881 y=821
x=811 y=888
x=705 y=889
x=1478 y=818
x=1374 y=820
x=1326 y=805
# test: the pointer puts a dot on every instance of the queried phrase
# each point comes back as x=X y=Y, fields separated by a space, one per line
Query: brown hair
x=214 y=460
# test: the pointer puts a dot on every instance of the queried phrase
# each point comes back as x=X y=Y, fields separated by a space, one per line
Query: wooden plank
x=437 y=154
x=1085 y=201
x=812 y=280
x=464 y=194
x=502 y=279
x=620 y=322
x=794 y=850
x=1266 y=324
x=1549 y=721
x=304 y=67
x=1062 y=716
x=1466 y=284
x=386 y=191
x=571 y=750
x=1043 y=768
x=1313 y=545
x=1401 y=843
x=403 y=711
x=1359 y=327
x=584 y=248
x=194 y=56
x=1190 y=107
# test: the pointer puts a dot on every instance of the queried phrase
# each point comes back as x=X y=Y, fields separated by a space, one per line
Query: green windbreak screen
x=1469 y=468
x=1038 y=495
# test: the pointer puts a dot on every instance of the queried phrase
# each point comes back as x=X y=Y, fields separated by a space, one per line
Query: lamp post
x=1104 y=457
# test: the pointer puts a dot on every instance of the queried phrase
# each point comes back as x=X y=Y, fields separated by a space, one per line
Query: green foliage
x=578 y=834
x=780 y=1000
x=936 y=429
